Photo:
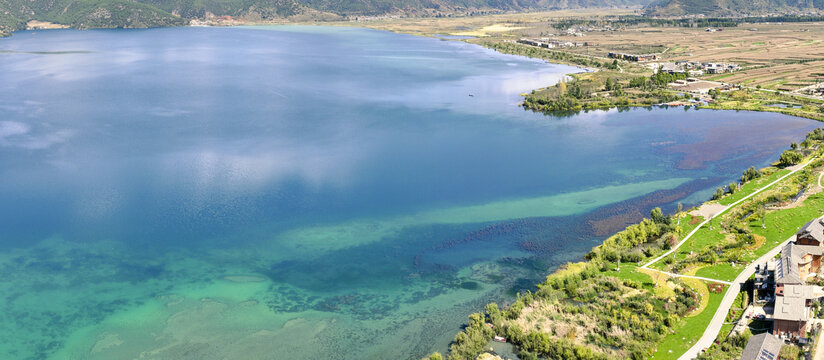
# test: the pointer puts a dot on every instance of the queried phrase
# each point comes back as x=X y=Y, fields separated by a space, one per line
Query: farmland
x=775 y=56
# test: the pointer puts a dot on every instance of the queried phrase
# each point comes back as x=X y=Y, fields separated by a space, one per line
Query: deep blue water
x=309 y=192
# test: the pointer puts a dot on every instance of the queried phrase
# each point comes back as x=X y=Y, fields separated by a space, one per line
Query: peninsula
x=752 y=63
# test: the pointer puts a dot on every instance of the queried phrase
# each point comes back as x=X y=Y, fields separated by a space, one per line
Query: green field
x=724 y=272
x=751 y=187
x=676 y=344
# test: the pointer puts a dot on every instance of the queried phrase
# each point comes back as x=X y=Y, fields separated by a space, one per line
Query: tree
x=788 y=158
x=719 y=193
x=762 y=214
x=608 y=84
x=658 y=216
x=791 y=352
x=794 y=146
x=680 y=209
x=562 y=88
x=435 y=356
x=732 y=188
x=750 y=174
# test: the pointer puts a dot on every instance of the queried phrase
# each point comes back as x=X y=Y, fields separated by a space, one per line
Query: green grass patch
x=703 y=237
x=719 y=77
x=688 y=223
x=723 y=271
x=781 y=224
x=629 y=272
x=725 y=331
x=675 y=344
x=752 y=186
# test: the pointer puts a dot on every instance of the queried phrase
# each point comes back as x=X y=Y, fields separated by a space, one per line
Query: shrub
x=789 y=158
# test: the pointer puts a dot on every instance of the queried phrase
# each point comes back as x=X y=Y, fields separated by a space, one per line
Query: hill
x=14 y=14
x=733 y=7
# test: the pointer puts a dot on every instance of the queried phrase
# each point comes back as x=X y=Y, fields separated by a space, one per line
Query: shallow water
x=309 y=192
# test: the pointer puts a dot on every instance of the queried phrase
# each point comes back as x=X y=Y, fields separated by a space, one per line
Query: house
x=812 y=233
x=763 y=346
x=795 y=264
x=670 y=68
x=764 y=282
x=792 y=311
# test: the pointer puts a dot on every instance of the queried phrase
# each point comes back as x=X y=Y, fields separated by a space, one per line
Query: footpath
x=732 y=290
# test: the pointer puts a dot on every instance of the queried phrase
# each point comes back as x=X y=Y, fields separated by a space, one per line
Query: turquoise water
x=309 y=192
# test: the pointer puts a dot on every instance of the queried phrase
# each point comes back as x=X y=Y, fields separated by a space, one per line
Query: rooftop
x=763 y=346
x=799 y=291
x=786 y=267
x=790 y=308
x=813 y=229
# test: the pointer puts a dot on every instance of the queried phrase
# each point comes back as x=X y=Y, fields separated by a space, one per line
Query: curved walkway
x=653 y=261
x=720 y=315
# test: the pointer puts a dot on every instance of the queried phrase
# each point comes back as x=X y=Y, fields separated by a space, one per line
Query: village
x=787 y=295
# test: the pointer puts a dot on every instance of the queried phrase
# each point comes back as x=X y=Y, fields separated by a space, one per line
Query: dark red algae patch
x=615 y=217
x=728 y=141
x=549 y=236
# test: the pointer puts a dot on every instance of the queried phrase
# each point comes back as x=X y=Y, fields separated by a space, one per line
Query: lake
x=298 y=192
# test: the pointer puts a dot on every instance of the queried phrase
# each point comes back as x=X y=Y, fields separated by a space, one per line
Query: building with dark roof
x=796 y=263
x=812 y=233
x=791 y=315
x=762 y=347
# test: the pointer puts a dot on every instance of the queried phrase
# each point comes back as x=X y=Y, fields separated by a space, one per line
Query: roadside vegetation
x=607 y=307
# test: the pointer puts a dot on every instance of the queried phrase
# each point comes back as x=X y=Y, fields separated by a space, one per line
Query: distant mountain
x=732 y=7
x=84 y=13
x=150 y=13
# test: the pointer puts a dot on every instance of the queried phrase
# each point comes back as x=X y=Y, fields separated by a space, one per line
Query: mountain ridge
x=732 y=8
x=14 y=14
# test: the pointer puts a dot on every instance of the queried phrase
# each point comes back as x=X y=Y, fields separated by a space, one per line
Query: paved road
x=819 y=347
x=729 y=297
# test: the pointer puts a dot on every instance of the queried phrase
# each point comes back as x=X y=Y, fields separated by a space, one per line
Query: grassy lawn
x=723 y=271
x=703 y=237
x=752 y=186
x=629 y=272
x=690 y=331
x=781 y=224
x=661 y=283
x=686 y=227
